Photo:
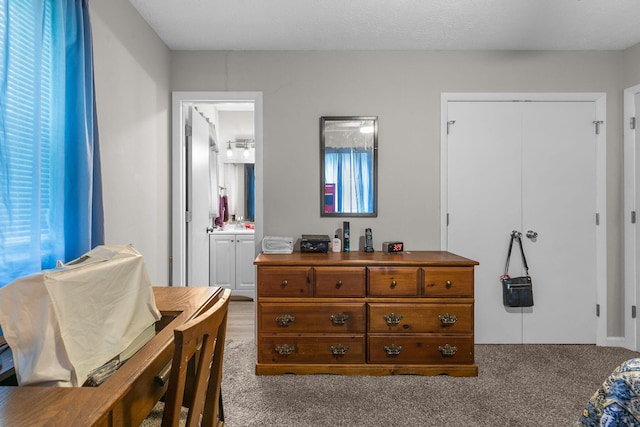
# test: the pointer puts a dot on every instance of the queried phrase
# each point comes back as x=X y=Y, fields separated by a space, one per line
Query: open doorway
x=198 y=142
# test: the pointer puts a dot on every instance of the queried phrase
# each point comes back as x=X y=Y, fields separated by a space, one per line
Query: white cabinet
x=231 y=263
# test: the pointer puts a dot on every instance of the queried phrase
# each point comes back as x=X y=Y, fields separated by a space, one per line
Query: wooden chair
x=199 y=343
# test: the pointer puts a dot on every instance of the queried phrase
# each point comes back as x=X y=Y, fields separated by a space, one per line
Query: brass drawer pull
x=447 y=319
x=392 y=319
x=285 y=319
x=339 y=350
x=447 y=350
x=339 y=319
x=338 y=284
x=285 y=349
x=448 y=284
x=284 y=283
x=394 y=284
x=393 y=350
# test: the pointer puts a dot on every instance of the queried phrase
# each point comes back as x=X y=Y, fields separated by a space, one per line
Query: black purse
x=516 y=291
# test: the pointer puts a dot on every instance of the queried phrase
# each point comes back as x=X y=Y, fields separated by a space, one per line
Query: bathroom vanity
x=231 y=253
x=363 y=313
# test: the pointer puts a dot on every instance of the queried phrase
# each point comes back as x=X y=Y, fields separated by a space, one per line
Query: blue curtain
x=84 y=222
x=50 y=187
x=351 y=171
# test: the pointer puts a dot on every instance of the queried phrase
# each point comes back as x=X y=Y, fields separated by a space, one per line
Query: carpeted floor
x=517 y=385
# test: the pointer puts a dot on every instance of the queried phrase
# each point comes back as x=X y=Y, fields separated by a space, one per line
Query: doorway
x=190 y=257
x=534 y=164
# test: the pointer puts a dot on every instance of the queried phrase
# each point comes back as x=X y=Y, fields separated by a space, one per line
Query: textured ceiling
x=394 y=24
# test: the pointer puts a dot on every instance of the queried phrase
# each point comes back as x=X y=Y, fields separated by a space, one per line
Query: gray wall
x=403 y=89
x=631 y=67
x=135 y=74
x=133 y=103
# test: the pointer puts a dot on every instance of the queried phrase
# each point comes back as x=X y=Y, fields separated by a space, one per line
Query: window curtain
x=348 y=168
x=50 y=186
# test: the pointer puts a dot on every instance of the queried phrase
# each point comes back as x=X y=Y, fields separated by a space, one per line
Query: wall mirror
x=349 y=166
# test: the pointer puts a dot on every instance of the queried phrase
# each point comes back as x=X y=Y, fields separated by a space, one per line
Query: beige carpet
x=517 y=385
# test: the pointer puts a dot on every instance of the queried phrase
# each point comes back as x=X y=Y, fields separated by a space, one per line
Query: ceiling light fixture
x=229 y=150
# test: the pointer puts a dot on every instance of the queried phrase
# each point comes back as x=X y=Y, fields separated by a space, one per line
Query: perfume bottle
x=345 y=236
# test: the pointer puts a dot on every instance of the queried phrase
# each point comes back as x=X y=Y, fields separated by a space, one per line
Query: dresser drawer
x=420 y=349
x=311 y=317
x=340 y=281
x=327 y=349
x=448 y=281
x=421 y=318
x=394 y=281
x=285 y=281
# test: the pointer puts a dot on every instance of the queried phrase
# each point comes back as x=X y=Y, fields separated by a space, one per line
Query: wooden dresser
x=363 y=313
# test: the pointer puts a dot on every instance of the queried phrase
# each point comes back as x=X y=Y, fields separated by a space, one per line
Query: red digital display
x=392 y=247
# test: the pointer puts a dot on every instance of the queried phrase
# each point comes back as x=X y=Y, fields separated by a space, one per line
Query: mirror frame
x=374 y=178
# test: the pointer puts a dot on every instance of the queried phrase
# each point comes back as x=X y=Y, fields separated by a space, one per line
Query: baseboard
x=615 y=341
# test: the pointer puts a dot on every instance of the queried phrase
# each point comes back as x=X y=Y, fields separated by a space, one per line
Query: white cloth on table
x=63 y=323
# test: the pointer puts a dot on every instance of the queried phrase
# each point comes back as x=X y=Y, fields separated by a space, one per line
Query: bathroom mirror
x=348 y=166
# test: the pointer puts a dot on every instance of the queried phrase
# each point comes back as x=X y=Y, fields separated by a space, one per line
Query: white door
x=559 y=204
x=482 y=208
x=198 y=193
x=631 y=230
x=526 y=166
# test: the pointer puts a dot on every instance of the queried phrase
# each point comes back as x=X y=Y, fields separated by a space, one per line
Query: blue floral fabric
x=617 y=401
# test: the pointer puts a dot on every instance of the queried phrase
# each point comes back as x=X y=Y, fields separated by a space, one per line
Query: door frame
x=631 y=339
x=601 y=169
x=179 y=99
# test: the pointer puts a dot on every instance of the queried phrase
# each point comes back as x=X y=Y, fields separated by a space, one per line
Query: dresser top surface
x=421 y=258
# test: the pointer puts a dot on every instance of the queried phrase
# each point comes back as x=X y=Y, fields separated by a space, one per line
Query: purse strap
x=516 y=235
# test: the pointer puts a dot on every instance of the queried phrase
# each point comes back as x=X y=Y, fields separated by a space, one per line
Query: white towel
x=277 y=245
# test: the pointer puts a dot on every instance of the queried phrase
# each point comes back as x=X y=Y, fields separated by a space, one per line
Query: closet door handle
x=532 y=234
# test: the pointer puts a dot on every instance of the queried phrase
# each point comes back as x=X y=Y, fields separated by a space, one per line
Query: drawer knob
x=339 y=350
x=285 y=319
x=392 y=319
x=339 y=318
x=393 y=284
x=285 y=349
x=285 y=282
x=448 y=284
x=393 y=350
x=447 y=319
x=338 y=284
x=447 y=350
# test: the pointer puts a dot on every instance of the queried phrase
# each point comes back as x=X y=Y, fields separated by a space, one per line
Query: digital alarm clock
x=392 y=247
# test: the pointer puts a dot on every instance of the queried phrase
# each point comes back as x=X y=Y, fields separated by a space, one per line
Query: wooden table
x=128 y=396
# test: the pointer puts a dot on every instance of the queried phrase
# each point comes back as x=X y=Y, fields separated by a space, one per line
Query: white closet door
x=559 y=203
x=198 y=202
x=633 y=298
x=484 y=205
x=526 y=166
x=631 y=202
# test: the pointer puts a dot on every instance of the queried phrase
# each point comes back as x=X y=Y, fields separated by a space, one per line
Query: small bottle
x=336 y=244
x=345 y=236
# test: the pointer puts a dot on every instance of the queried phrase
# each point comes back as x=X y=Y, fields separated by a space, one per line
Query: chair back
x=199 y=350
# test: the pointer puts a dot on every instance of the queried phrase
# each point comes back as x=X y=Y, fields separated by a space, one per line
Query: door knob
x=532 y=234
